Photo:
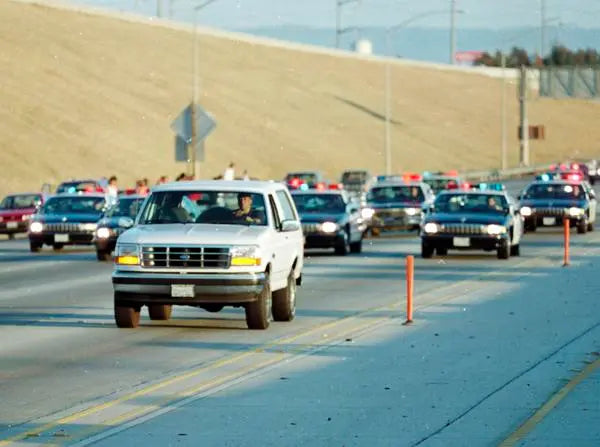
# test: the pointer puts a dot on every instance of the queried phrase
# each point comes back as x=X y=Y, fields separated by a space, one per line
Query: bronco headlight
x=103 y=233
x=367 y=213
x=245 y=255
x=36 y=227
x=431 y=228
x=127 y=254
x=495 y=230
x=526 y=211
x=329 y=227
x=576 y=212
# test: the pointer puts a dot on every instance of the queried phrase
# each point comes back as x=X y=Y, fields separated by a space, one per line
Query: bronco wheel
x=126 y=316
x=160 y=311
x=515 y=250
x=590 y=226
x=284 y=301
x=258 y=313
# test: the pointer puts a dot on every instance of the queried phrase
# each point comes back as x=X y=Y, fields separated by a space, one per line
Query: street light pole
x=452 y=31
x=504 y=142
x=338 y=19
x=542 y=28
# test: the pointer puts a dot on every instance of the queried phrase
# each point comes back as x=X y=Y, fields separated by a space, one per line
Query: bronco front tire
x=258 y=313
x=284 y=301
x=126 y=316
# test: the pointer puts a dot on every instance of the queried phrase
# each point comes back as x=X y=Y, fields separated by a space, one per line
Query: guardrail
x=499 y=174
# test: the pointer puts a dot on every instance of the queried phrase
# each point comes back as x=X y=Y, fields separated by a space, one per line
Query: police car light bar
x=490 y=187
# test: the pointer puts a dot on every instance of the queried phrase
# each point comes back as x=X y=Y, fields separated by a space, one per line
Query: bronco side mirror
x=289 y=225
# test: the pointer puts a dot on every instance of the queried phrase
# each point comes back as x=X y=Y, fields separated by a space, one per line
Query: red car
x=16 y=210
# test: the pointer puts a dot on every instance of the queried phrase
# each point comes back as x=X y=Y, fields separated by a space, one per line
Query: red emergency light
x=295 y=182
x=336 y=186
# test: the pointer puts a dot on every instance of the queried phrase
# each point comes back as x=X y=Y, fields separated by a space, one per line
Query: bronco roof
x=253 y=186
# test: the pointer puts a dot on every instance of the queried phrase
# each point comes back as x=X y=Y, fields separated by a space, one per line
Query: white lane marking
x=58 y=285
x=24 y=266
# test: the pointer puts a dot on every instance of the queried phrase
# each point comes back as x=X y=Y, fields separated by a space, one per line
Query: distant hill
x=432 y=44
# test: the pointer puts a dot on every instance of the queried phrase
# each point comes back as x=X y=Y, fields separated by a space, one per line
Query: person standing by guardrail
x=229 y=173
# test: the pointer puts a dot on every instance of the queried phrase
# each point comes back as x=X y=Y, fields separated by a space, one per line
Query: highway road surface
x=500 y=353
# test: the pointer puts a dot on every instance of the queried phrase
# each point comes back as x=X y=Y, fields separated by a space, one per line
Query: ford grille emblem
x=463 y=219
x=184 y=257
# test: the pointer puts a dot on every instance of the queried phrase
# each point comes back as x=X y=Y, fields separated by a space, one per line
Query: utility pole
x=338 y=19
x=542 y=28
x=159 y=5
x=388 y=104
x=504 y=161
x=194 y=169
x=452 y=31
x=524 y=123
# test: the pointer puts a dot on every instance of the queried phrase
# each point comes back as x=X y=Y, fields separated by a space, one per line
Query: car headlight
x=495 y=230
x=36 y=227
x=1 y=219
x=89 y=227
x=431 y=228
x=367 y=213
x=245 y=255
x=329 y=227
x=127 y=254
x=526 y=211
x=103 y=233
x=576 y=212
x=26 y=217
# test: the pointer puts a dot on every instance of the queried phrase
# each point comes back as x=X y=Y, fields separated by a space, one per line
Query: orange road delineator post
x=567 y=228
x=410 y=276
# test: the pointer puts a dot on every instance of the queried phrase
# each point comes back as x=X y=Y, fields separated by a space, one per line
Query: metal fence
x=571 y=82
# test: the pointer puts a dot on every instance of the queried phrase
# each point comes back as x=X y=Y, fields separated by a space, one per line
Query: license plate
x=549 y=221
x=182 y=290
x=462 y=242
x=12 y=225
x=61 y=238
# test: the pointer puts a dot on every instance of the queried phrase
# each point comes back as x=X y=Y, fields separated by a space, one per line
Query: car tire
x=103 y=255
x=531 y=228
x=34 y=247
x=126 y=316
x=441 y=251
x=515 y=250
x=426 y=251
x=258 y=313
x=57 y=247
x=213 y=308
x=590 y=226
x=342 y=246
x=375 y=232
x=582 y=227
x=11 y=236
x=160 y=312
x=284 y=301
x=356 y=247
x=504 y=251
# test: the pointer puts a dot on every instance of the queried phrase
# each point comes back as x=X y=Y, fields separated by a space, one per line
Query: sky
x=491 y=14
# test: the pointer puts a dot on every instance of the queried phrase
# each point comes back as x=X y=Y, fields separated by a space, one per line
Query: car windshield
x=319 y=203
x=390 y=194
x=206 y=207
x=72 y=187
x=76 y=205
x=354 y=177
x=125 y=208
x=306 y=177
x=471 y=203
x=554 y=191
x=441 y=184
x=19 y=202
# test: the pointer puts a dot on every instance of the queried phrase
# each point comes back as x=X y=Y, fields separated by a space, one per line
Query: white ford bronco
x=211 y=244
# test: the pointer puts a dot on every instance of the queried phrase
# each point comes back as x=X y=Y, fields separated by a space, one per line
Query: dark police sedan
x=66 y=219
x=330 y=220
x=472 y=220
x=548 y=202
x=115 y=221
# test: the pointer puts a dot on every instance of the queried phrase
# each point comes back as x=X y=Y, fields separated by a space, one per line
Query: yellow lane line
x=545 y=409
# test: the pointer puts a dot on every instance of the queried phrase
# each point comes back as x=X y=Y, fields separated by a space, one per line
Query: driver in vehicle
x=245 y=213
x=493 y=205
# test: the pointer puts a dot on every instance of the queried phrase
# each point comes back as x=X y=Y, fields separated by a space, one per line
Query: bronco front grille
x=64 y=227
x=462 y=229
x=186 y=257
x=555 y=212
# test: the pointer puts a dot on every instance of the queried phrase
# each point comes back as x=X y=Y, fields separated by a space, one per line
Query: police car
x=330 y=219
x=481 y=218
x=441 y=181
x=548 y=201
x=397 y=203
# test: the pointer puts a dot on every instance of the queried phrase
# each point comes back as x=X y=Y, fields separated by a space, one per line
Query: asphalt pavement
x=499 y=354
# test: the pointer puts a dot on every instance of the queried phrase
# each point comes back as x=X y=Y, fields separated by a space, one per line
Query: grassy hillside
x=89 y=95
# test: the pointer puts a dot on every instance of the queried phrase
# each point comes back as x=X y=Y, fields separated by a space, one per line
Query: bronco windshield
x=125 y=208
x=471 y=203
x=319 y=203
x=554 y=191
x=391 y=194
x=74 y=205
x=205 y=207
x=354 y=177
x=20 y=202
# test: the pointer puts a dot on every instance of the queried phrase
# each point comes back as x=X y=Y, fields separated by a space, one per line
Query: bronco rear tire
x=258 y=313
x=284 y=301
x=160 y=311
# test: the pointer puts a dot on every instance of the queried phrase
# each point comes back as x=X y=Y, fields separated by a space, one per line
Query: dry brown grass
x=85 y=96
